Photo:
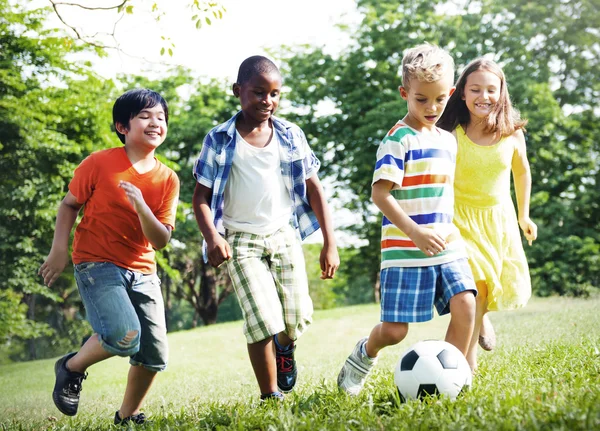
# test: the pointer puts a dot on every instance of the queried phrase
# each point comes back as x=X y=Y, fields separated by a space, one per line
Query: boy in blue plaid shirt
x=257 y=187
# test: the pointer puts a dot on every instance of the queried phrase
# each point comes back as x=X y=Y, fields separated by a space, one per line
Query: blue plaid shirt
x=298 y=163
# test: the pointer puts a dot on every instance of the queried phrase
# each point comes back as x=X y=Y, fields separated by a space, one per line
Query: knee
x=124 y=342
x=464 y=303
x=394 y=333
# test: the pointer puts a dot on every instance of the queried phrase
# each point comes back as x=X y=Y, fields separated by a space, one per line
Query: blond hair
x=426 y=63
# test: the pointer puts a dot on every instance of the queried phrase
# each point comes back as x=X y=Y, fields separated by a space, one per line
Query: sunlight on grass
x=544 y=374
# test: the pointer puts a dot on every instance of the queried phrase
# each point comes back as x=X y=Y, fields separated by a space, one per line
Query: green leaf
x=207 y=20
x=162 y=51
x=129 y=9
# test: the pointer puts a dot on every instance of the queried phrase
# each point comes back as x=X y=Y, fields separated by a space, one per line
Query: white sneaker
x=355 y=370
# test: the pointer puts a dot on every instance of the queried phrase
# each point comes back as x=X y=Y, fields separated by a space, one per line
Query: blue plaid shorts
x=409 y=294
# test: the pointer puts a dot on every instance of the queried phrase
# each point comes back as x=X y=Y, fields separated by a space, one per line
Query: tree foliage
x=51 y=111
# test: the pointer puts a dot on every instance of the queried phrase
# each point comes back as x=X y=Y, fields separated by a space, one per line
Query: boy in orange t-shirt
x=130 y=203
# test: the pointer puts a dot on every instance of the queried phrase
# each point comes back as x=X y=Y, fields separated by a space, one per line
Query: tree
x=44 y=130
x=361 y=85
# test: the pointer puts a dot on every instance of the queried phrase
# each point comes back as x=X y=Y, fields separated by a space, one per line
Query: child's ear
x=236 y=89
x=452 y=91
x=403 y=92
x=121 y=128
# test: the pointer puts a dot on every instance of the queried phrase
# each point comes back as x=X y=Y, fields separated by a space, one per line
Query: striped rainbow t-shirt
x=422 y=168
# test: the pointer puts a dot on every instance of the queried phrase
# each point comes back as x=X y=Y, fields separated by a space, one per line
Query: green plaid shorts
x=269 y=278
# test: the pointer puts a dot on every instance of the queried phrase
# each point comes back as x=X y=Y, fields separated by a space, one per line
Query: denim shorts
x=126 y=311
x=409 y=294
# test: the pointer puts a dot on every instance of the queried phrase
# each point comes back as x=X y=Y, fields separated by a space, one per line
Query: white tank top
x=256 y=198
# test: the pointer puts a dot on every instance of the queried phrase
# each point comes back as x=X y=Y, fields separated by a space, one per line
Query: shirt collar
x=228 y=127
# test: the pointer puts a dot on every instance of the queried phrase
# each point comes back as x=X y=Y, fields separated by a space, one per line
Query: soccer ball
x=432 y=367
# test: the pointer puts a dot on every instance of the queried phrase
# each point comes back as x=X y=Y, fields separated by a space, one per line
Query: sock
x=363 y=350
x=280 y=347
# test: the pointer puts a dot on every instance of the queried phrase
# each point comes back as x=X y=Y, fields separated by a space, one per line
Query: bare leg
x=385 y=334
x=487 y=335
x=262 y=357
x=480 y=310
x=90 y=353
x=139 y=381
x=462 y=319
x=283 y=339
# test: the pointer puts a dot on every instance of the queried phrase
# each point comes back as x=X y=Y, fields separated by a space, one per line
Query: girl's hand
x=428 y=241
x=53 y=266
x=218 y=251
x=134 y=196
x=529 y=228
x=330 y=261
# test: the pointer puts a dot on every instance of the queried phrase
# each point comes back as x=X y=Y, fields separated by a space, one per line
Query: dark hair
x=504 y=118
x=130 y=103
x=255 y=65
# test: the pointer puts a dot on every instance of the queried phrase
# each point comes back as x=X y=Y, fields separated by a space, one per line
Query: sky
x=248 y=27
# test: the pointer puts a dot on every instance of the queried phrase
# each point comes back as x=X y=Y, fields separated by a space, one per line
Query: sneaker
x=138 y=419
x=355 y=370
x=287 y=373
x=67 y=386
x=275 y=396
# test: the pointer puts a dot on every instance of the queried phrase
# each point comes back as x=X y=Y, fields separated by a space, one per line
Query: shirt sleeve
x=168 y=210
x=390 y=162
x=204 y=168
x=83 y=183
x=311 y=162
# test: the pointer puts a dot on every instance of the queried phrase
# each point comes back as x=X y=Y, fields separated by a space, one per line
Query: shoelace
x=284 y=364
x=73 y=388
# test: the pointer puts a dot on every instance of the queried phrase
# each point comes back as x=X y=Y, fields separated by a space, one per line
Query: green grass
x=544 y=374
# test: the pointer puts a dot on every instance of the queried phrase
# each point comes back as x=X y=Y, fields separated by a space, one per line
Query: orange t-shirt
x=110 y=230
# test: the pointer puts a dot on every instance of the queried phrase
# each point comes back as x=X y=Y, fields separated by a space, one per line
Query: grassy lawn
x=544 y=374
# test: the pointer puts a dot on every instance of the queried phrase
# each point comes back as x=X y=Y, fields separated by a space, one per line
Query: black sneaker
x=138 y=419
x=67 y=386
x=275 y=396
x=287 y=373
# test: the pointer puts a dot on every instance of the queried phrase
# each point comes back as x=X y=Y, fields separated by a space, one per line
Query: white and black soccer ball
x=432 y=367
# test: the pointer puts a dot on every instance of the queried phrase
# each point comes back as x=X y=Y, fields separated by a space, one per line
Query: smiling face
x=482 y=93
x=259 y=97
x=147 y=130
x=426 y=101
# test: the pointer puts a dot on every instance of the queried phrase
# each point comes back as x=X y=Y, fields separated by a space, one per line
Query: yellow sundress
x=485 y=215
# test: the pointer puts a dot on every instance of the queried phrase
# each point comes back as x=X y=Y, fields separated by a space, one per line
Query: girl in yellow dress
x=491 y=143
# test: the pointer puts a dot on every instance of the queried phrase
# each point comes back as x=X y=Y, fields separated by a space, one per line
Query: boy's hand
x=529 y=228
x=218 y=251
x=330 y=261
x=53 y=266
x=428 y=241
x=134 y=196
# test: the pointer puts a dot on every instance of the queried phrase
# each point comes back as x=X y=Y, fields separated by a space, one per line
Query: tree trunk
x=31 y=348
x=377 y=289
x=208 y=294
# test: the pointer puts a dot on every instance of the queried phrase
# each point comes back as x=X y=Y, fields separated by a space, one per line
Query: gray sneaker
x=355 y=370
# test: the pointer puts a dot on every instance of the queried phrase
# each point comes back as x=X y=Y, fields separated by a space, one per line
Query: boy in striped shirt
x=423 y=261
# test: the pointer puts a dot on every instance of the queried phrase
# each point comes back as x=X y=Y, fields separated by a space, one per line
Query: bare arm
x=157 y=233
x=329 y=259
x=58 y=257
x=522 y=180
x=428 y=241
x=218 y=249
